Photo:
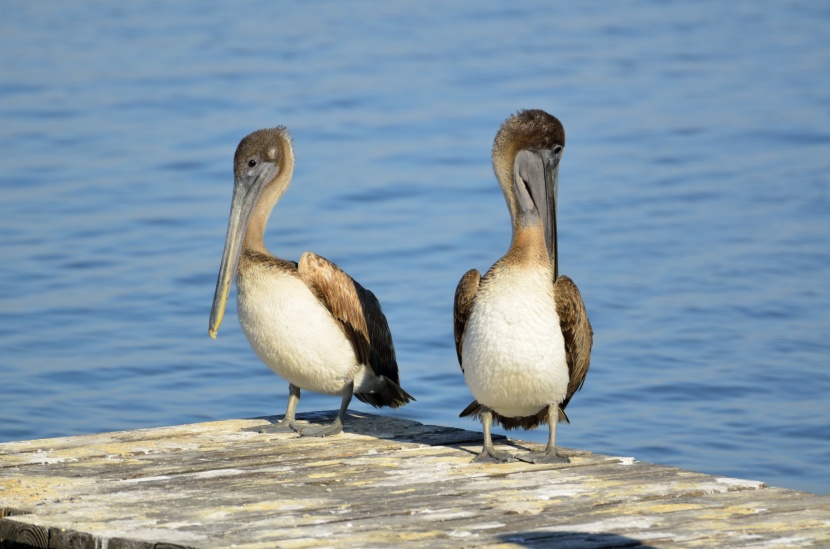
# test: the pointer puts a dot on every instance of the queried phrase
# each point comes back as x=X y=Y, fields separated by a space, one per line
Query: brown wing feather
x=579 y=336
x=358 y=311
x=464 y=294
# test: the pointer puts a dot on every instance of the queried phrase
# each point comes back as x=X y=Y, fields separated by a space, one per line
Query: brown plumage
x=464 y=294
x=358 y=312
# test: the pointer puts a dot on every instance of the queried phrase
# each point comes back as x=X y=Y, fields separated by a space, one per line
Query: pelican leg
x=549 y=455
x=337 y=426
x=286 y=424
x=291 y=409
x=488 y=452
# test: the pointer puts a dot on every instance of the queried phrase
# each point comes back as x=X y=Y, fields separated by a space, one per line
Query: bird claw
x=493 y=456
x=282 y=426
x=543 y=457
x=323 y=431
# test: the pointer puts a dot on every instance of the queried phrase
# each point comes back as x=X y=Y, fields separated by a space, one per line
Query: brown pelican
x=521 y=331
x=309 y=322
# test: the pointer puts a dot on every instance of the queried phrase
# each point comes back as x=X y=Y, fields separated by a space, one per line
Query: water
x=694 y=207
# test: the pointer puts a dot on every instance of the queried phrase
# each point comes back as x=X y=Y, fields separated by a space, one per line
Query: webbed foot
x=283 y=426
x=543 y=457
x=323 y=431
x=493 y=456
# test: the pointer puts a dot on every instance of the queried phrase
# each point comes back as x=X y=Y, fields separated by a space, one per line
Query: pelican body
x=308 y=321
x=522 y=335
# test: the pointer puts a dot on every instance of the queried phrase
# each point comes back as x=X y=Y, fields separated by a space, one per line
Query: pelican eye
x=251 y=163
x=557 y=149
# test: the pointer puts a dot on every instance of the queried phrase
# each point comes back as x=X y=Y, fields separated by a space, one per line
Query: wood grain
x=385 y=482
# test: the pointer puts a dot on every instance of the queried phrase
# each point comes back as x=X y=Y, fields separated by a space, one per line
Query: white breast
x=293 y=334
x=513 y=351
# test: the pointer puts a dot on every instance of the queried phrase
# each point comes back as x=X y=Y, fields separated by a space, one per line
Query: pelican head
x=262 y=169
x=526 y=154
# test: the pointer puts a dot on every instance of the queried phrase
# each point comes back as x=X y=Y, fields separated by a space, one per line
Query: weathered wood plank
x=384 y=483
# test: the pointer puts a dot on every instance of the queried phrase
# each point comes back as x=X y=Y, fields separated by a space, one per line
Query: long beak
x=246 y=191
x=539 y=172
x=549 y=217
x=536 y=181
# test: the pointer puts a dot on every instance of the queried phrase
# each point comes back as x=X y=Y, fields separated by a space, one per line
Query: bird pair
x=521 y=331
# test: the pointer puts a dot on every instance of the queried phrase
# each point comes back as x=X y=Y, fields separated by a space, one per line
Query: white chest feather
x=513 y=352
x=292 y=333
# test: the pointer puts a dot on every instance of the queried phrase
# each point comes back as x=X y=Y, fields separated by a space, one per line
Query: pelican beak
x=536 y=178
x=550 y=160
x=246 y=192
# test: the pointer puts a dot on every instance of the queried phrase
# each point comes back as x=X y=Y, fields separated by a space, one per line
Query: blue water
x=694 y=207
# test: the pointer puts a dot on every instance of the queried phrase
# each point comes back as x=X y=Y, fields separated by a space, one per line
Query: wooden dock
x=385 y=483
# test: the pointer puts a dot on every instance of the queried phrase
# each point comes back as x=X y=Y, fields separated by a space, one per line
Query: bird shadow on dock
x=398 y=429
x=571 y=540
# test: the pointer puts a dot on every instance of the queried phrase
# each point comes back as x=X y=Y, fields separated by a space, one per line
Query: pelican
x=309 y=322
x=522 y=335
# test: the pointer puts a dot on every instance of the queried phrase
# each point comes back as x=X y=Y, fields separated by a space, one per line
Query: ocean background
x=694 y=207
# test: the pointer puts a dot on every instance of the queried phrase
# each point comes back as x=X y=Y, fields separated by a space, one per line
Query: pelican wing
x=465 y=292
x=356 y=309
x=579 y=336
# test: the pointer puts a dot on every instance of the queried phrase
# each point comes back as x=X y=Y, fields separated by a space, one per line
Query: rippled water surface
x=694 y=207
